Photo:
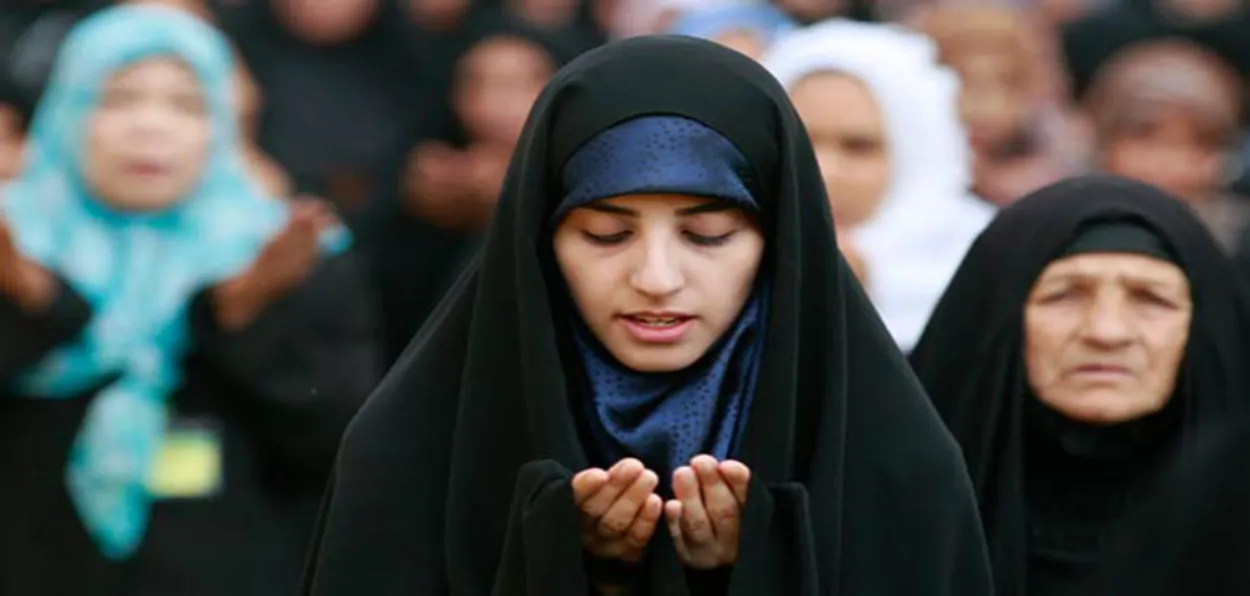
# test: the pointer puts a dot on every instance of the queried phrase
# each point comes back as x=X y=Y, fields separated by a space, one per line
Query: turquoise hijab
x=139 y=272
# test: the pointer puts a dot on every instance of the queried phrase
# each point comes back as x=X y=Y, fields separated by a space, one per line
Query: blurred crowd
x=399 y=118
x=403 y=114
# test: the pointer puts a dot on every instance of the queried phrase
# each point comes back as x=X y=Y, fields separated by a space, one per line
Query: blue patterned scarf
x=665 y=419
x=138 y=272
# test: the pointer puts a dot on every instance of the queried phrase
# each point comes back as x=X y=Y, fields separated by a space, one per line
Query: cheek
x=1044 y=339
x=1167 y=342
x=588 y=277
x=105 y=136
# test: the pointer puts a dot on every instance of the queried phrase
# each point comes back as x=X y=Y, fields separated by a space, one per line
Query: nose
x=1108 y=323
x=658 y=273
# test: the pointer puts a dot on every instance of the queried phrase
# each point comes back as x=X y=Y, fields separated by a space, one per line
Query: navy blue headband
x=656 y=155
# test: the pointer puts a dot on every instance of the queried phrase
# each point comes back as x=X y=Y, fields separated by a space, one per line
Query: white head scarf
x=927 y=220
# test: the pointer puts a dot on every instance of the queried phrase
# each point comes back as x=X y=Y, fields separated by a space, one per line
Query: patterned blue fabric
x=653 y=155
x=764 y=20
x=665 y=419
x=138 y=272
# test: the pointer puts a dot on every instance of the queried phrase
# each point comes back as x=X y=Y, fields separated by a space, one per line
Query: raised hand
x=619 y=509
x=283 y=264
x=705 y=517
x=21 y=279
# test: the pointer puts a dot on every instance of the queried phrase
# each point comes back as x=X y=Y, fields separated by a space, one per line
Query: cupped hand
x=619 y=509
x=705 y=517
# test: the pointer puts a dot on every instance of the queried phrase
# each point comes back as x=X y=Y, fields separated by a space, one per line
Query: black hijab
x=1057 y=518
x=455 y=476
x=1193 y=538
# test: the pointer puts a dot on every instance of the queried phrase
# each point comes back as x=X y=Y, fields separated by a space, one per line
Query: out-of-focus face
x=1105 y=335
x=1166 y=148
x=659 y=278
x=247 y=98
x=848 y=134
x=810 y=11
x=497 y=83
x=744 y=41
x=11 y=141
x=326 y=22
x=994 y=102
x=148 y=138
x=545 y=13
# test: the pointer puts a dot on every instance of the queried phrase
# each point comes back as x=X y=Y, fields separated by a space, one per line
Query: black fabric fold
x=26 y=337
x=853 y=474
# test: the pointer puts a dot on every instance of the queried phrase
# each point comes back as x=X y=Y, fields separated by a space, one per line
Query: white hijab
x=927 y=220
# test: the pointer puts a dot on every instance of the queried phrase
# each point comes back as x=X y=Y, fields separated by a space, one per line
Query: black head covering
x=1193 y=538
x=455 y=475
x=1057 y=517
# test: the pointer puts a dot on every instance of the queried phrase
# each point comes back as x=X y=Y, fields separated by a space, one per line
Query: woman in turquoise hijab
x=179 y=352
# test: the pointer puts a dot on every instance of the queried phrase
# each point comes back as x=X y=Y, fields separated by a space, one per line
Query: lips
x=146 y=168
x=657 y=328
x=658 y=321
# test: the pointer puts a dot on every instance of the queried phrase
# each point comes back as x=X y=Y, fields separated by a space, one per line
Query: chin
x=656 y=359
x=1103 y=407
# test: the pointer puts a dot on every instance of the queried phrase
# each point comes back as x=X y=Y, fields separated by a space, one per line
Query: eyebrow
x=712 y=207
x=1130 y=278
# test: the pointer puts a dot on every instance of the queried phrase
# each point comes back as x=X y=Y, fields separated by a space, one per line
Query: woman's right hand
x=25 y=282
x=619 y=509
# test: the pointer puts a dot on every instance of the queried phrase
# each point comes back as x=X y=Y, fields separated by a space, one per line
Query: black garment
x=1052 y=490
x=280 y=391
x=454 y=477
x=1193 y=538
x=415 y=261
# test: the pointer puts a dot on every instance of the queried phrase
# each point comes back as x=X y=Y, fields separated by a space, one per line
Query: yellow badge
x=189 y=463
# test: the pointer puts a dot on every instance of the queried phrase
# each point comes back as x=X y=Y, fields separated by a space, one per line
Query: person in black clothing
x=658 y=333
x=178 y=358
x=1093 y=329
x=1193 y=537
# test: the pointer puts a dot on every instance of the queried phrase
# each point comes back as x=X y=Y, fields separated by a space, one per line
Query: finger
x=586 y=483
x=738 y=476
x=622 y=512
x=673 y=514
x=695 y=525
x=718 y=498
x=643 y=528
x=620 y=477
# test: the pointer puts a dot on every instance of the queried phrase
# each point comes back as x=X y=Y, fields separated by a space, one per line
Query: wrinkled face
x=11 y=141
x=1166 y=148
x=1105 y=335
x=148 y=139
x=496 y=85
x=659 y=278
x=848 y=134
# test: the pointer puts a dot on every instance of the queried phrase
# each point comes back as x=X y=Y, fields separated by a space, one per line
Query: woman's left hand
x=705 y=518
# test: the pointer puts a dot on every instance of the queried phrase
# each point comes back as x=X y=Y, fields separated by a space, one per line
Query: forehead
x=511 y=49
x=828 y=87
x=660 y=203
x=1113 y=266
x=163 y=68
